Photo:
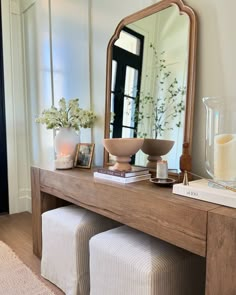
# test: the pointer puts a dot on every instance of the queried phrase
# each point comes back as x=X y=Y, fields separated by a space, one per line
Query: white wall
x=36 y=41
x=56 y=47
x=36 y=76
x=215 y=74
x=70 y=53
x=216 y=62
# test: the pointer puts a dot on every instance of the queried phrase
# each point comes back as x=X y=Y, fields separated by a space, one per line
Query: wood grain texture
x=16 y=232
x=144 y=206
x=36 y=209
x=192 y=224
x=41 y=202
x=221 y=252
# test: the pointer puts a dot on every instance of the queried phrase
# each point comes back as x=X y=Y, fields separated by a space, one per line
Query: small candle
x=224 y=157
x=63 y=162
x=162 y=170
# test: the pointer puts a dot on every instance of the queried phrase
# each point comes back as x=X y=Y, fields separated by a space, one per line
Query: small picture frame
x=84 y=155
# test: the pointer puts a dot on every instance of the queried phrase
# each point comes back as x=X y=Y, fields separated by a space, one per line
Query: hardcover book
x=135 y=171
x=199 y=189
x=121 y=179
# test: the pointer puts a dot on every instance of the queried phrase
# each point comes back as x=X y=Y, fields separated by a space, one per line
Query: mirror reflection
x=149 y=80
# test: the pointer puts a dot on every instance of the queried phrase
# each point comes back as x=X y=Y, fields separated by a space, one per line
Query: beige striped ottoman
x=124 y=261
x=65 y=251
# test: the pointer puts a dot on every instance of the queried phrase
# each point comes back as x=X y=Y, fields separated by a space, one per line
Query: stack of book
x=201 y=190
x=136 y=173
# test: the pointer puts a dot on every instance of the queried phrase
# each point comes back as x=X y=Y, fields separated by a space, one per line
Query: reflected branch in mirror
x=163 y=110
x=136 y=76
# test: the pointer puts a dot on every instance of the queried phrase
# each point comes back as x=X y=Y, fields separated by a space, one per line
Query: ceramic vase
x=155 y=148
x=122 y=149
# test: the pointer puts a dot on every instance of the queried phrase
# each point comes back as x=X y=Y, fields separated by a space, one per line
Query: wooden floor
x=15 y=231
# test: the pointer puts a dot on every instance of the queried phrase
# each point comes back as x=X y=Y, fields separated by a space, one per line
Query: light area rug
x=16 y=278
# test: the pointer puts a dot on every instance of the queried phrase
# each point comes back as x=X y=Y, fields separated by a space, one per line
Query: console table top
x=142 y=205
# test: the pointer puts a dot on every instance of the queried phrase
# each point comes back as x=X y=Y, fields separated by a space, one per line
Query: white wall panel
x=17 y=137
x=38 y=78
x=22 y=164
x=70 y=53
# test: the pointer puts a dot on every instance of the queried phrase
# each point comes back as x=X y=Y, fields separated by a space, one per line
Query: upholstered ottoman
x=124 y=261
x=65 y=246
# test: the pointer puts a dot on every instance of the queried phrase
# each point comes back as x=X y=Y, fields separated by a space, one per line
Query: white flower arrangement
x=67 y=116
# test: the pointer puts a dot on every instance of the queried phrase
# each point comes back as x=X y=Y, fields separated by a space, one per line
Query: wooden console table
x=206 y=229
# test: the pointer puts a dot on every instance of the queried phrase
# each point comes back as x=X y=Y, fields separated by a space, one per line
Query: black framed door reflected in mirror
x=126 y=80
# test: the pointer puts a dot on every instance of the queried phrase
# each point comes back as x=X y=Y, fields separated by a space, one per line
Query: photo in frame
x=84 y=155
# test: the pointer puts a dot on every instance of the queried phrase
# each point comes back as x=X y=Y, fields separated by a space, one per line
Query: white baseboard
x=24 y=201
x=24 y=204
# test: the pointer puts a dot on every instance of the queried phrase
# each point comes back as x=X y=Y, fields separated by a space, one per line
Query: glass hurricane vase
x=65 y=143
x=221 y=139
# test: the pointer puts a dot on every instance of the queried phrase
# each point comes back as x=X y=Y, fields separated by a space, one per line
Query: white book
x=121 y=179
x=199 y=189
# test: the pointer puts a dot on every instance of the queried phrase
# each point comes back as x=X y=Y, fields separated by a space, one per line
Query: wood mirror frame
x=185 y=159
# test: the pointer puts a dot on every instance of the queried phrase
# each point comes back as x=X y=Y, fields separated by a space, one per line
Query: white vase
x=65 y=142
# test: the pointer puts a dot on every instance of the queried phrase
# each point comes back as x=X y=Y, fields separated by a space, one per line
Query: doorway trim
x=18 y=201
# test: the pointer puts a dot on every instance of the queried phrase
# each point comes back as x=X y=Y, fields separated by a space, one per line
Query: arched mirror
x=151 y=80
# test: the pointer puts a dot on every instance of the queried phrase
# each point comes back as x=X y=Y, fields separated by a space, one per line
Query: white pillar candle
x=225 y=157
x=162 y=170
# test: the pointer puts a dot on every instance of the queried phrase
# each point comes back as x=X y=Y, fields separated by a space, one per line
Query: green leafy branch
x=163 y=111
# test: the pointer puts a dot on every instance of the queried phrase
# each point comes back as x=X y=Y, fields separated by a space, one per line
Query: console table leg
x=221 y=252
x=41 y=202
x=36 y=211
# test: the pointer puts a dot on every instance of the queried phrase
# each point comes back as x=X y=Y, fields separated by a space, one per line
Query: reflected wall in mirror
x=151 y=79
